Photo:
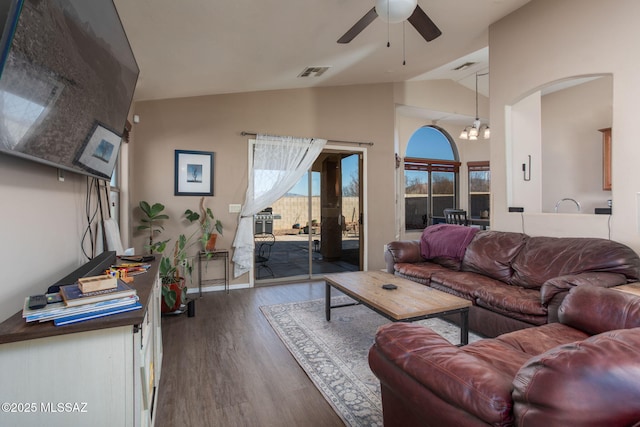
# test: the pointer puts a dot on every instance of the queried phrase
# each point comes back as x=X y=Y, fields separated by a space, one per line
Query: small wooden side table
x=216 y=254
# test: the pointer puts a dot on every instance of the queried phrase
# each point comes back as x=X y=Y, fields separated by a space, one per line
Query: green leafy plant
x=206 y=220
x=170 y=275
x=152 y=221
x=175 y=268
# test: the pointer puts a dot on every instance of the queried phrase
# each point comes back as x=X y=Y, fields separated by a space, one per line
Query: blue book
x=59 y=309
x=67 y=320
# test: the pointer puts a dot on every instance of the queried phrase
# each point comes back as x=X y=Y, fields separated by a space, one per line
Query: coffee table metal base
x=464 y=313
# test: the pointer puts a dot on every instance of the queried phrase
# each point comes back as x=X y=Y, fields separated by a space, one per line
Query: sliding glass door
x=317 y=224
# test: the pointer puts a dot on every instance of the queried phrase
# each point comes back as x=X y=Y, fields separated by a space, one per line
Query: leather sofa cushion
x=534 y=341
x=544 y=258
x=500 y=355
x=421 y=272
x=589 y=383
x=461 y=283
x=491 y=252
x=513 y=301
x=595 y=310
x=450 y=263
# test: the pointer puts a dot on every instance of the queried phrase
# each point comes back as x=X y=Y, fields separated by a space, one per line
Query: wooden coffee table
x=411 y=301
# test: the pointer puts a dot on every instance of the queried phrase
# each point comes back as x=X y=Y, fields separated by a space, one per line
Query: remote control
x=145 y=258
x=389 y=286
x=37 y=301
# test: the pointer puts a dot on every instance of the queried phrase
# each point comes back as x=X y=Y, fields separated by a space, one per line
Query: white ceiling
x=200 y=47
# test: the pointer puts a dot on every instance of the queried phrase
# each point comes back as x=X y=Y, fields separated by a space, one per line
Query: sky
x=429 y=143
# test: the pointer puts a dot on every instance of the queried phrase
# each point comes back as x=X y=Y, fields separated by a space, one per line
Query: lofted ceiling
x=201 y=47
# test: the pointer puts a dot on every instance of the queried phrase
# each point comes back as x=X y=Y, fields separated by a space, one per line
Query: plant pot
x=177 y=288
x=211 y=243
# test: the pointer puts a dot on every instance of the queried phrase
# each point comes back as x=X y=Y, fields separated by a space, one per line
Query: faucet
x=568 y=199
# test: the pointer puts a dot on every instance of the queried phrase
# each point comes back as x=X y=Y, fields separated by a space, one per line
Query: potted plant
x=173 y=270
x=179 y=265
x=207 y=225
x=153 y=215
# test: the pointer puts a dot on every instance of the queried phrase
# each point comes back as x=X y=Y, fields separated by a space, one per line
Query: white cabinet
x=104 y=373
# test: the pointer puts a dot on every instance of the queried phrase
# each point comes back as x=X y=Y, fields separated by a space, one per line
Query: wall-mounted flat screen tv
x=67 y=77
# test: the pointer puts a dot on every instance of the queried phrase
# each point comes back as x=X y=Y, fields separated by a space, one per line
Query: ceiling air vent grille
x=313 y=71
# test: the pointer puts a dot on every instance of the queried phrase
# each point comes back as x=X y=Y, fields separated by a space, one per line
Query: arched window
x=431 y=167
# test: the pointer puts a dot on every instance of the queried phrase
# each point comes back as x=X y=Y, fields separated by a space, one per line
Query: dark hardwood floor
x=227 y=367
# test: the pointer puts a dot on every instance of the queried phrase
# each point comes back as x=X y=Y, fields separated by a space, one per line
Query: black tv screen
x=67 y=77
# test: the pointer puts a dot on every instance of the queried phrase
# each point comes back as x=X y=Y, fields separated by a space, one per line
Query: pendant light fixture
x=477 y=128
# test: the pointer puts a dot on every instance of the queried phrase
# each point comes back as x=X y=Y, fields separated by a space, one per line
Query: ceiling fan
x=393 y=11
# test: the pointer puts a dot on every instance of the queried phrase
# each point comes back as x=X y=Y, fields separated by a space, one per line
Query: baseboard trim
x=216 y=288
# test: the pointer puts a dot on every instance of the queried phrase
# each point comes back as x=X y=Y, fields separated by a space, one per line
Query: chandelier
x=477 y=128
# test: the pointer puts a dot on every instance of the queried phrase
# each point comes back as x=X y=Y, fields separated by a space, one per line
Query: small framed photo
x=194 y=173
x=99 y=152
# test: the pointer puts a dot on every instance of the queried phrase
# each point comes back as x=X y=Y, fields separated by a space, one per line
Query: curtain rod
x=370 y=144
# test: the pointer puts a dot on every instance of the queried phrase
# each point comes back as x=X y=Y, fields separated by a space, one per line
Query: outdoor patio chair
x=263 y=242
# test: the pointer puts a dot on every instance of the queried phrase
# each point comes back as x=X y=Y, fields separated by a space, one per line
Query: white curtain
x=277 y=164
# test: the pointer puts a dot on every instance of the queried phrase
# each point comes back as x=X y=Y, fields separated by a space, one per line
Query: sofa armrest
x=595 y=382
x=402 y=251
x=560 y=284
x=405 y=356
x=596 y=310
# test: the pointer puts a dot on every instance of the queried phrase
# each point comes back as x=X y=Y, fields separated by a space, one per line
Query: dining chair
x=456 y=216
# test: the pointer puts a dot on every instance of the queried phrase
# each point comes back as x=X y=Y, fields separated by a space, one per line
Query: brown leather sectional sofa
x=582 y=371
x=515 y=281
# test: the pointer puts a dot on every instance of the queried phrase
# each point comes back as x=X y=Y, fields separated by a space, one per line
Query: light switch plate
x=234 y=208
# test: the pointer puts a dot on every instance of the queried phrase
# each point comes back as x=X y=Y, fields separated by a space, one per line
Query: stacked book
x=77 y=303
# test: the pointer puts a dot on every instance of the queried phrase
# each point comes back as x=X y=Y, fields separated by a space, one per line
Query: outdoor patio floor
x=290 y=258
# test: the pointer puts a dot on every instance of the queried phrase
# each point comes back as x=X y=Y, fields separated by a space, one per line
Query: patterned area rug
x=334 y=354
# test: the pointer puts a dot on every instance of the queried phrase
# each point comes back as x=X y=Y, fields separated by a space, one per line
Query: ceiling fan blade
x=424 y=25
x=359 y=26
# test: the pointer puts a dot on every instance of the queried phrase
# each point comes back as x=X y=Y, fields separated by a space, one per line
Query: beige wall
x=572 y=146
x=214 y=123
x=560 y=132
x=41 y=223
x=548 y=40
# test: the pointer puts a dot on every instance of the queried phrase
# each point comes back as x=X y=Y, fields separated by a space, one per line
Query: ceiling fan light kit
x=394 y=11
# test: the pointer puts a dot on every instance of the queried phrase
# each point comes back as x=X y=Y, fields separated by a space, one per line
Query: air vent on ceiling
x=313 y=71
x=464 y=66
